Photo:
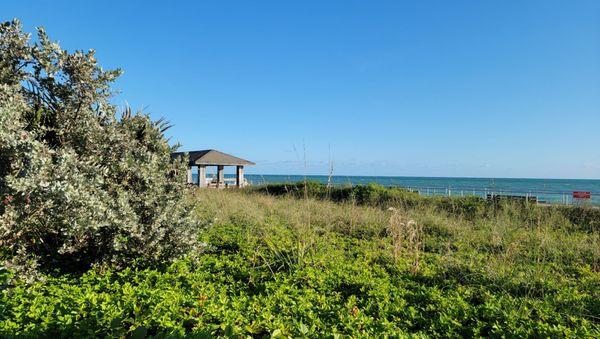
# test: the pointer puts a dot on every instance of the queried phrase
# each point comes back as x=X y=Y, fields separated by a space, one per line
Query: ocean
x=548 y=190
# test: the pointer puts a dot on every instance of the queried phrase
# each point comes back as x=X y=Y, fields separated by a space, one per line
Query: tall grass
x=522 y=251
x=512 y=235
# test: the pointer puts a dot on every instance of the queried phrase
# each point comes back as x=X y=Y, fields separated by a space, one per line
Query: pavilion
x=212 y=157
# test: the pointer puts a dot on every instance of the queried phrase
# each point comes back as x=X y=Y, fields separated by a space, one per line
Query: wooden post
x=220 y=176
x=201 y=176
x=239 y=176
x=189 y=175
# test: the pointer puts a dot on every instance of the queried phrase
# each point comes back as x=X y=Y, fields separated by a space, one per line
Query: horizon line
x=415 y=176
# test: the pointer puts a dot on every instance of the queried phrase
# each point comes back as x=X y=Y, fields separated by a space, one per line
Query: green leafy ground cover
x=283 y=266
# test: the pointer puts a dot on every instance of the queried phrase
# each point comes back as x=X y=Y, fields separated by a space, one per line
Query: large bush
x=79 y=185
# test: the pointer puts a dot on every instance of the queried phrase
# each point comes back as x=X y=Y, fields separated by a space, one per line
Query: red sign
x=582 y=195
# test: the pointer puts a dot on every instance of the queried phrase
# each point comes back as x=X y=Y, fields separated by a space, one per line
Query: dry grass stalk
x=406 y=238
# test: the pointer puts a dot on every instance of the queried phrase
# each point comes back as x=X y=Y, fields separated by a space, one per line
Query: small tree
x=79 y=186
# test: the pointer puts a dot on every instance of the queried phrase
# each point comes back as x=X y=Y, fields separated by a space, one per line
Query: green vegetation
x=285 y=266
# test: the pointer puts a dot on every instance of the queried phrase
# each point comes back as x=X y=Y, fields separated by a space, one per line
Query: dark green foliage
x=583 y=217
x=377 y=195
x=371 y=194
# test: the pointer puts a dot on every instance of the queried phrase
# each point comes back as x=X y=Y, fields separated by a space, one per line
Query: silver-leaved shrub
x=80 y=185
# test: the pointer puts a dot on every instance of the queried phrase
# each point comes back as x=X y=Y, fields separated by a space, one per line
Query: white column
x=201 y=176
x=239 y=176
x=189 y=175
x=220 y=176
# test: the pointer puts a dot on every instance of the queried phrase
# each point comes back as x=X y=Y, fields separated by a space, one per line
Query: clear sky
x=419 y=88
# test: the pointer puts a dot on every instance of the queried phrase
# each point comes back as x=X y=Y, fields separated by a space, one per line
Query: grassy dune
x=300 y=266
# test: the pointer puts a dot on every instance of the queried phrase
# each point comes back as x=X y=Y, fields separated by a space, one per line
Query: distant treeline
x=470 y=207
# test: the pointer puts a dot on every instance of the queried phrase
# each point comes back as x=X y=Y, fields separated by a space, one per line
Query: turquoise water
x=549 y=190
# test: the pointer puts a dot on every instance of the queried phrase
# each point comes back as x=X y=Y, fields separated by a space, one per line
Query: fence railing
x=549 y=197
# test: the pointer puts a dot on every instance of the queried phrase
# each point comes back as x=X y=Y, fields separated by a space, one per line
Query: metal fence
x=547 y=197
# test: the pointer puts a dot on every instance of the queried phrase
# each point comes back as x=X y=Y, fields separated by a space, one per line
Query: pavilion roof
x=211 y=157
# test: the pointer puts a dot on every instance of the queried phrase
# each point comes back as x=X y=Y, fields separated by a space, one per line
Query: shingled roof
x=211 y=157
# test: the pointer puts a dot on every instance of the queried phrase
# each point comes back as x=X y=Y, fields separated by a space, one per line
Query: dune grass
x=299 y=266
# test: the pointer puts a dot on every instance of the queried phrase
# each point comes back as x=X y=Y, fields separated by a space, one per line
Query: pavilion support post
x=201 y=176
x=220 y=177
x=189 y=175
x=239 y=176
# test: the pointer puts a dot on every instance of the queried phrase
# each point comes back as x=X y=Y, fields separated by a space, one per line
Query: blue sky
x=420 y=88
